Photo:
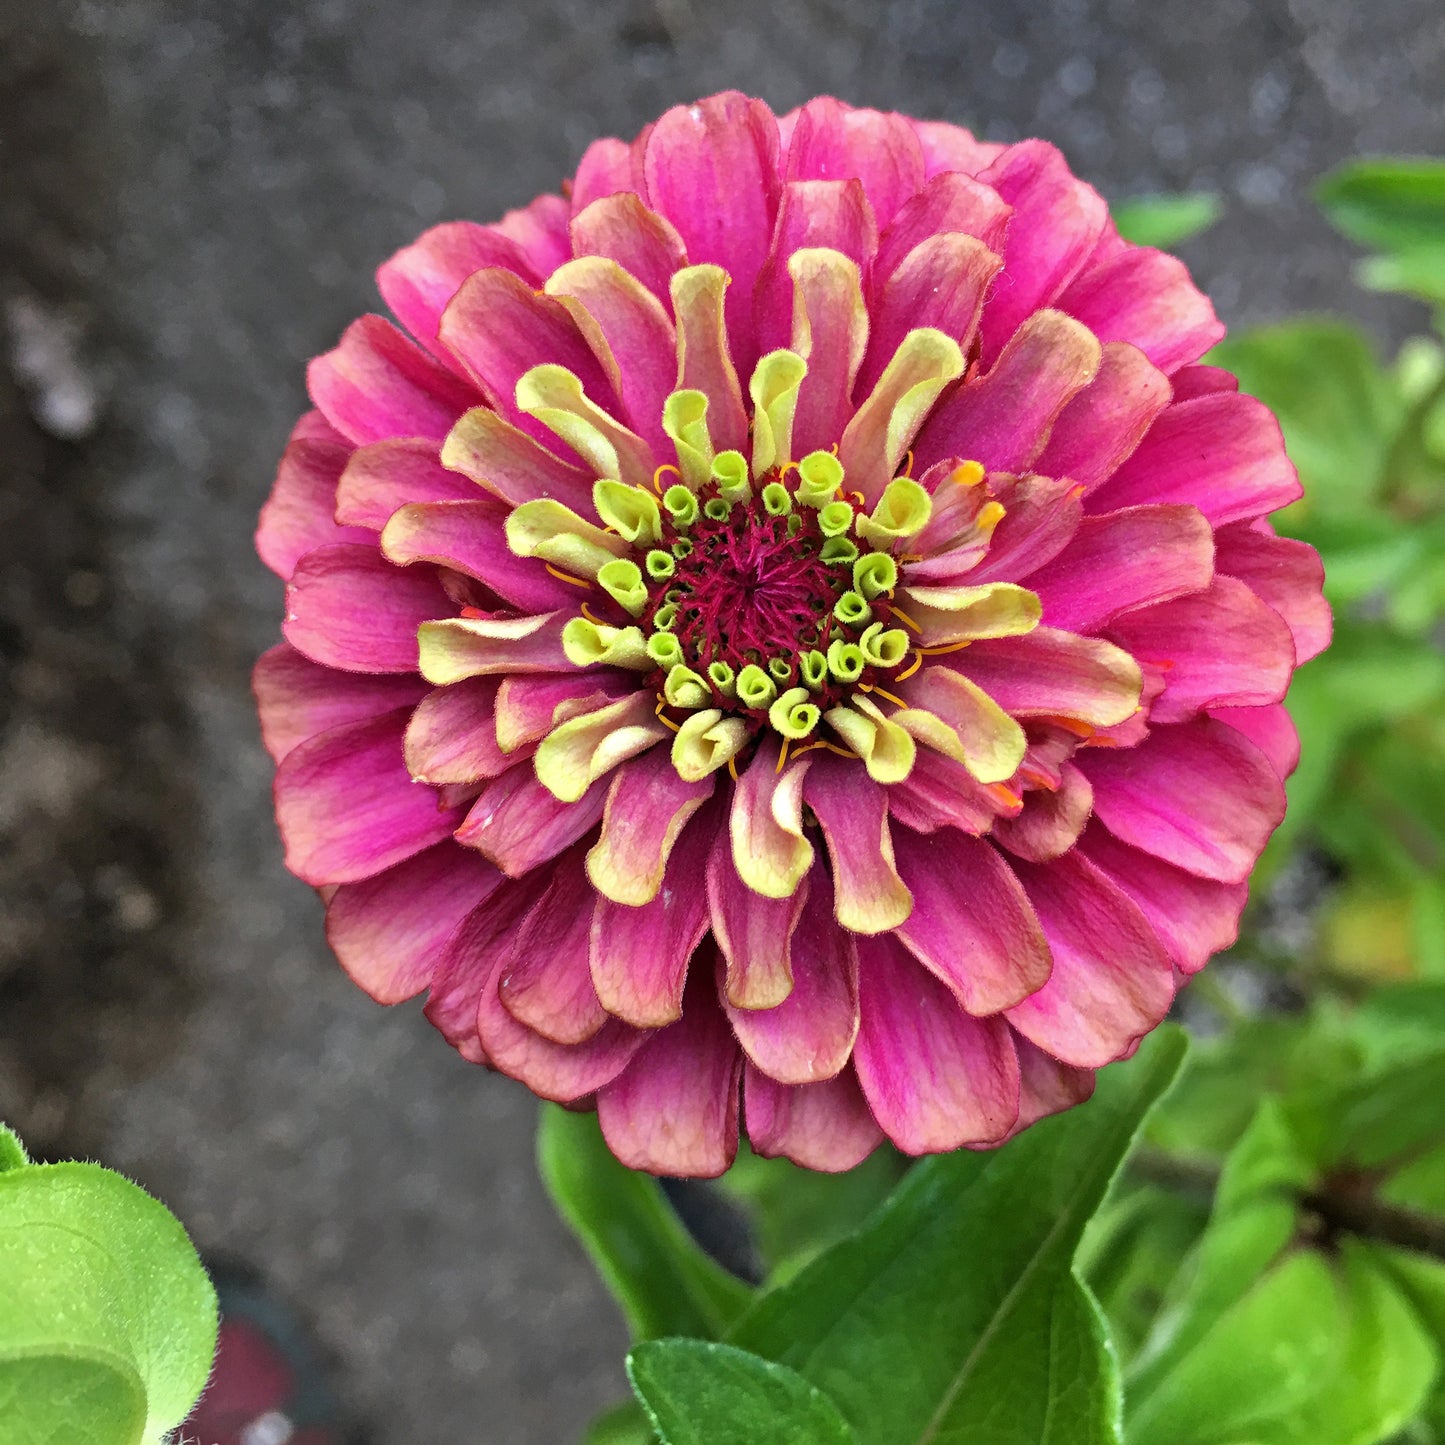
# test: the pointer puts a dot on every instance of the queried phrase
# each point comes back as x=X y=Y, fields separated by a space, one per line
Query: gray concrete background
x=194 y=197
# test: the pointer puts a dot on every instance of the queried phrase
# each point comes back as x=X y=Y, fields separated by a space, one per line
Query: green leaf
x=1166 y=221
x=12 y=1151
x=1389 y=202
x=626 y=1424
x=664 y=1284
x=954 y=1314
x=109 y=1324
x=1411 y=271
x=699 y=1393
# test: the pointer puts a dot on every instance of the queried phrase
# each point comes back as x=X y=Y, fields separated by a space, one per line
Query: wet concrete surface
x=194 y=198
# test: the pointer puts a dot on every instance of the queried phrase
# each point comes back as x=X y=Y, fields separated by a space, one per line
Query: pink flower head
x=792 y=633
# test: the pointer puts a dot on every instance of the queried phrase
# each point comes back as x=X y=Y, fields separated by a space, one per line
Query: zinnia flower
x=791 y=634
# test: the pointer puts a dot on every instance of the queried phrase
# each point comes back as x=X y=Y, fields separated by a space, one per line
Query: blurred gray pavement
x=193 y=197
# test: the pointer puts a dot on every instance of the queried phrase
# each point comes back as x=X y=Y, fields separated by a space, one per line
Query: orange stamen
x=782 y=756
x=912 y=668
x=592 y=617
x=939 y=651
x=665 y=467
x=568 y=577
x=733 y=769
x=905 y=619
x=883 y=692
x=1001 y=794
x=473 y=613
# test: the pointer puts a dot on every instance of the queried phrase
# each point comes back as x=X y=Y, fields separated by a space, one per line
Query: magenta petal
x=1122 y=560
x=1145 y=297
x=1269 y=728
x=1221 y=647
x=1112 y=982
x=385 y=476
x=509 y=464
x=604 y=170
x=452 y=736
x=643 y=243
x=347 y=808
x=941 y=793
x=640 y=955
x=389 y=931
x=528 y=708
x=809 y=1035
x=825 y=1126
x=1287 y=574
x=1199 y=795
x=1056 y=222
x=470 y=538
x=377 y=384
x=832 y=141
x=298 y=698
x=712 y=170
x=422 y=278
x=519 y=824
x=675 y=1108
x=348 y=607
x=1042 y=516
x=1051 y=820
x=753 y=933
x=1192 y=381
x=949 y=147
x=1044 y=673
x=935 y=1077
x=547 y=984
x=300 y=513
x=1046 y=1086
x=539 y=229
x=949 y=202
x=1222 y=452
x=1107 y=420
x=971 y=923
x=1194 y=917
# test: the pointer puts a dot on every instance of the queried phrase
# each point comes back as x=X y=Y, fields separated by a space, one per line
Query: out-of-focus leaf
x=664 y=1284
x=954 y=1314
x=699 y=1393
x=1388 y=202
x=109 y=1322
x=1166 y=221
x=626 y=1424
x=1423 y=1282
x=1411 y=271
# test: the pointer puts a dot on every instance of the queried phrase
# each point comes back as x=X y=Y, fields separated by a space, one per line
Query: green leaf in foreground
x=699 y=1393
x=1166 y=221
x=664 y=1284
x=1389 y=202
x=954 y=1315
x=109 y=1321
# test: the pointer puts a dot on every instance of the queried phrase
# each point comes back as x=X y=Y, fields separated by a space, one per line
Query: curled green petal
x=664 y=649
x=820 y=474
x=813 y=667
x=705 y=742
x=845 y=660
x=730 y=472
x=621 y=579
x=684 y=688
x=665 y=616
x=835 y=519
x=681 y=505
x=884 y=648
x=723 y=678
x=774 y=390
x=793 y=715
x=838 y=551
x=660 y=565
x=902 y=512
x=887 y=750
x=545 y=528
x=851 y=610
x=777 y=500
x=780 y=669
x=875 y=574
x=555 y=396
x=684 y=419
x=631 y=512
x=755 y=687
x=717 y=509
x=682 y=548
x=585 y=642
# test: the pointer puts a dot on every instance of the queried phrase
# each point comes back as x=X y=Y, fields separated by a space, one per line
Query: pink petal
x=1287 y=574
x=1220 y=647
x=752 y=932
x=1125 y=559
x=470 y=538
x=1269 y=728
x=952 y=148
x=421 y=279
x=540 y=230
x=1056 y=222
x=852 y=811
x=642 y=242
x=519 y=825
x=971 y=923
x=1003 y=419
x=604 y=170
x=348 y=607
x=389 y=931
x=528 y=708
x=1194 y=917
x=1042 y=515
x=675 y=1109
x=825 y=1126
x=1051 y=821
x=640 y=955
x=347 y=808
x=1107 y=420
x=546 y=984
x=509 y=464
x=949 y=202
x=1145 y=297
x=831 y=141
x=809 y=1035
x=934 y=1077
x=706 y=361
x=941 y=283
x=377 y=384
x=1046 y=1086
x=712 y=170
x=1112 y=980
x=300 y=513
x=940 y=793
x=830 y=332
x=452 y=736
x=1222 y=452
x=311 y=426
x=647 y=807
x=1050 y=673
x=1199 y=795
x=385 y=476
x=1192 y=381
x=298 y=698
x=481 y=647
